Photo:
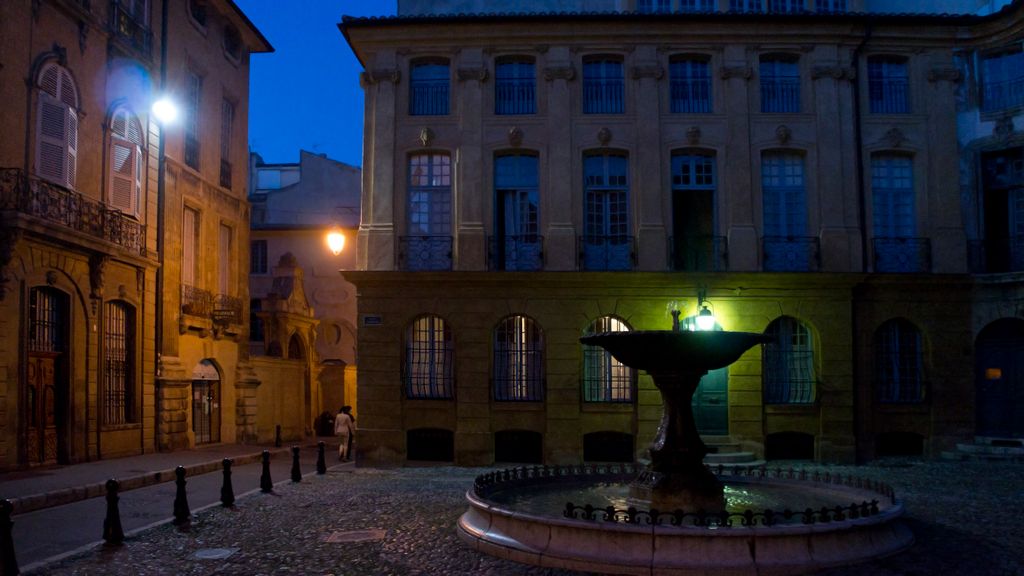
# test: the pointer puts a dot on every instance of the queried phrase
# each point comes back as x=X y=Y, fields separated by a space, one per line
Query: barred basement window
x=429 y=363
x=605 y=379
x=518 y=360
x=118 y=365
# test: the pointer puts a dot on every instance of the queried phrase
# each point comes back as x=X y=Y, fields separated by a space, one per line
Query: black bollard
x=8 y=562
x=277 y=437
x=296 y=473
x=181 y=512
x=113 y=534
x=265 y=484
x=321 y=464
x=227 y=493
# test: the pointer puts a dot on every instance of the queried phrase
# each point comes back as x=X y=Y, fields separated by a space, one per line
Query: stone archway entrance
x=206 y=401
x=999 y=379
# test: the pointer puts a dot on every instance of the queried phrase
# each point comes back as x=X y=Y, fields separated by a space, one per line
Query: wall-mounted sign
x=372 y=320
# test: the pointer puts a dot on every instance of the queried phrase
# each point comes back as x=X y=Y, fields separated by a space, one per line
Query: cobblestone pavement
x=966 y=517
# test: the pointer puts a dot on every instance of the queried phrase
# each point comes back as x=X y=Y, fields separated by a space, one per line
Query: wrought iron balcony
x=515 y=252
x=996 y=255
x=790 y=253
x=889 y=96
x=227 y=309
x=514 y=96
x=420 y=253
x=196 y=301
x=603 y=96
x=690 y=95
x=130 y=28
x=428 y=98
x=41 y=199
x=902 y=254
x=780 y=94
x=698 y=253
x=1002 y=95
x=613 y=252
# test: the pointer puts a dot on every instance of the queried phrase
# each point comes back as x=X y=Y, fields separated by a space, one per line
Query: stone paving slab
x=965 y=516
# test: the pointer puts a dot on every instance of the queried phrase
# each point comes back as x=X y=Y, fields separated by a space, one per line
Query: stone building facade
x=102 y=345
x=579 y=167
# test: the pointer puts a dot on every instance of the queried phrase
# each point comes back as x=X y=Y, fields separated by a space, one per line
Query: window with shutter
x=57 y=126
x=125 y=183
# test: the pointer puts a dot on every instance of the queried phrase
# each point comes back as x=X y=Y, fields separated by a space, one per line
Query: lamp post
x=336 y=241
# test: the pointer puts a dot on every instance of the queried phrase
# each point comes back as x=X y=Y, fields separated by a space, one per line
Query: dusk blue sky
x=306 y=94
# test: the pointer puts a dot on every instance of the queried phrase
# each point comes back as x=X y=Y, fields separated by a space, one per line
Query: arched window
x=605 y=379
x=57 y=126
x=899 y=367
x=296 y=348
x=518 y=360
x=429 y=359
x=126 y=161
x=118 y=399
x=428 y=88
x=788 y=363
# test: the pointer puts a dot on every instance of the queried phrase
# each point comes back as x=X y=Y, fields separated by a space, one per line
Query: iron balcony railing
x=603 y=96
x=196 y=301
x=515 y=252
x=227 y=309
x=790 y=253
x=690 y=95
x=1002 y=95
x=902 y=254
x=514 y=96
x=889 y=96
x=780 y=94
x=36 y=197
x=428 y=98
x=698 y=253
x=421 y=253
x=996 y=255
x=612 y=252
x=130 y=28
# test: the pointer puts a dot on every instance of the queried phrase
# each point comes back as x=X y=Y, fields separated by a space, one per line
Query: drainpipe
x=158 y=337
x=859 y=143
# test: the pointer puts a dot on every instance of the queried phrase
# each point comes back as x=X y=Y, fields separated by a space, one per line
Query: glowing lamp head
x=705 y=320
x=165 y=111
x=336 y=241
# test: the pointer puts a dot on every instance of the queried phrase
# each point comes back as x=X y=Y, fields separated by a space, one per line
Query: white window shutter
x=52 y=140
x=72 y=147
x=122 y=176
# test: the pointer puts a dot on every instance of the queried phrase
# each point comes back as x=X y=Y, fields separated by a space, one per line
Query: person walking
x=345 y=428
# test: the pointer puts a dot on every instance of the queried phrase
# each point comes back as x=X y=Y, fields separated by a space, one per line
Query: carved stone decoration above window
x=604 y=136
x=1003 y=128
x=783 y=134
x=944 y=74
x=478 y=74
x=515 y=136
x=649 y=71
x=832 y=71
x=51 y=277
x=97 y=270
x=426 y=136
x=693 y=135
x=895 y=137
x=559 y=73
x=744 y=72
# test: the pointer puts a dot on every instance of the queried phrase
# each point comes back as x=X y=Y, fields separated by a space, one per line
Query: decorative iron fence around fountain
x=485 y=484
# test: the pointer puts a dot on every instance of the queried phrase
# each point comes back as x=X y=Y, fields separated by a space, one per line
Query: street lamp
x=165 y=111
x=705 y=320
x=335 y=240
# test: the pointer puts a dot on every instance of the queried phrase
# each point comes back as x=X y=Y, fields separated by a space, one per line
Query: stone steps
x=722 y=450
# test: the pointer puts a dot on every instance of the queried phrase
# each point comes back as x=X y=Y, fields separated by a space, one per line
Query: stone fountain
x=687 y=527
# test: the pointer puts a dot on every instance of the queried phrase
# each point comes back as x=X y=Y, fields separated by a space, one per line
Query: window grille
x=518 y=360
x=780 y=85
x=46 y=321
x=899 y=367
x=690 y=86
x=605 y=379
x=429 y=359
x=788 y=363
x=603 y=87
x=515 y=87
x=428 y=89
x=887 y=85
x=118 y=369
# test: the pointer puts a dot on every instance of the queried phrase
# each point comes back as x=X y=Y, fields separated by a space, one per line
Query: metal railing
x=47 y=201
x=902 y=254
x=196 y=301
x=698 y=253
x=1002 y=95
x=428 y=98
x=603 y=96
x=420 y=253
x=515 y=252
x=613 y=252
x=996 y=255
x=889 y=96
x=227 y=309
x=129 y=28
x=690 y=95
x=780 y=94
x=790 y=253
x=514 y=96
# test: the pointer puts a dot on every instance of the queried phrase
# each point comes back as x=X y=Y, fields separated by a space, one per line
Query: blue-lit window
x=653 y=6
x=745 y=5
x=605 y=379
x=892 y=191
x=698 y=5
x=690 y=85
x=428 y=88
x=518 y=360
x=784 y=212
x=783 y=6
x=607 y=244
x=780 y=84
x=887 y=85
x=428 y=245
x=1002 y=80
x=429 y=362
x=830 y=5
x=788 y=363
x=515 y=86
x=516 y=213
x=603 y=86
x=899 y=368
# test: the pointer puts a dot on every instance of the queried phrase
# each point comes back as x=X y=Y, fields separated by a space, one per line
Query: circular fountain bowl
x=502 y=521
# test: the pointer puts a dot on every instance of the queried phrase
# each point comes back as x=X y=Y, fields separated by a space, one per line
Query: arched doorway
x=47 y=385
x=999 y=377
x=206 y=402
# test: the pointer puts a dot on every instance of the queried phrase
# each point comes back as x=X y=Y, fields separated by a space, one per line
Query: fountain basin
x=666 y=351
x=635 y=543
